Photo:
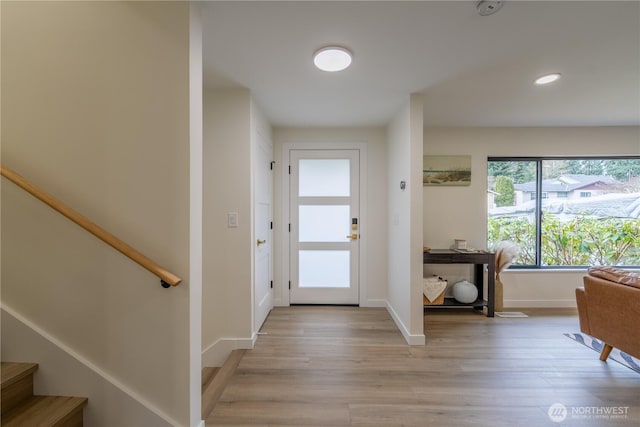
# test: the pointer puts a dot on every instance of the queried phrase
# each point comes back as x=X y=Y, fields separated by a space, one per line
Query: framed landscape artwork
x=446 y=170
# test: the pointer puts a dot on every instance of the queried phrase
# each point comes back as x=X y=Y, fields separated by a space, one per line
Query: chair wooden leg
x=605 y=352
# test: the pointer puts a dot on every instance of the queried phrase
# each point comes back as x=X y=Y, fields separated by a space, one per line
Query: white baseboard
x=375 y=303
x=555 y=303
x=215 y=354
x=279 y=302
x=411 y=339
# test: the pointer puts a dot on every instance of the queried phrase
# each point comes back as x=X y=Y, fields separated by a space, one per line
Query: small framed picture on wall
x=446 y=170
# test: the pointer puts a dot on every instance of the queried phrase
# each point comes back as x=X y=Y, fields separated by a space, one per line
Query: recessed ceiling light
x=549 y=78
x=332 y=58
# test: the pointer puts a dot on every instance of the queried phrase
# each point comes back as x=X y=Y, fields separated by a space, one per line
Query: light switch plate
x=232 y=219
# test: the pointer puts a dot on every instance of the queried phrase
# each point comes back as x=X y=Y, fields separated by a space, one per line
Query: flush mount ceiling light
x=546 y=79
x=332 y=58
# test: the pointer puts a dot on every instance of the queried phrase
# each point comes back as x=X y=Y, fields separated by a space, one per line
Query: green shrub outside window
x=564 y=228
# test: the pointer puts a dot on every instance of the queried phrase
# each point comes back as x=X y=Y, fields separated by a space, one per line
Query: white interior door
x=324 y=245
x=263 y=245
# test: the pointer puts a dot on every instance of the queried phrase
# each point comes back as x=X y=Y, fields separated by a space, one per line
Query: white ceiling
x=472 y=70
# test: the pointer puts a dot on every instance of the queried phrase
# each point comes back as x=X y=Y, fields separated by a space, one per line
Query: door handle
x=353 y=236
x=261 y=242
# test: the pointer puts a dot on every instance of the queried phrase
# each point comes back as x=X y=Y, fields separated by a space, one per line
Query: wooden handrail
x=166 y=277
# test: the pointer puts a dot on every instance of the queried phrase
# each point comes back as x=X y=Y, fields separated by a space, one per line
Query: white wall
x=195 y=211
x=373 y=292
x=95 y=103
x=415 y=187
x=461 y=212
x=227 y=252
x=404 y=250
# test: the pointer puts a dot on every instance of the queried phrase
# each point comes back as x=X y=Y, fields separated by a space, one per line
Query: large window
x=566 y=211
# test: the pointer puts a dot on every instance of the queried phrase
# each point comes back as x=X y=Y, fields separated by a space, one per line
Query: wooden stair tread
x=44 y=411
x=13 y=372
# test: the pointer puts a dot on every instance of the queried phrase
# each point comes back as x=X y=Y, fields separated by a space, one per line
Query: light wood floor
x=344 y=366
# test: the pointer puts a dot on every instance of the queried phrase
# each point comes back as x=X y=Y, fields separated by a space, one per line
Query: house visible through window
x=566 y=211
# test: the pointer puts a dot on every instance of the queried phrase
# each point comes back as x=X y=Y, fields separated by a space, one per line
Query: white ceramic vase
x=465 y=292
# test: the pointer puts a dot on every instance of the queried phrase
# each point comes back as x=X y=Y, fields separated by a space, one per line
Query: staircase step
x=47 y=411
x=212 y=391
x=17 y=383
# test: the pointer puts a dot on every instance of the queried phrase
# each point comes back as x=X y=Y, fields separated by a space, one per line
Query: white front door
x=263 y=245
x=325 y=226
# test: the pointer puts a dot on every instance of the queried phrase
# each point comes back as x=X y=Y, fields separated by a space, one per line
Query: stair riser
x=16 y=393
x=74 y=420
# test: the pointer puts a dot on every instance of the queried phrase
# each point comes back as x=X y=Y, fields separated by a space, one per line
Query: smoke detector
x=486 y=7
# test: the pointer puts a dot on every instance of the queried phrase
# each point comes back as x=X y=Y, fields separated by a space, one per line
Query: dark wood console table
x=479 y=259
